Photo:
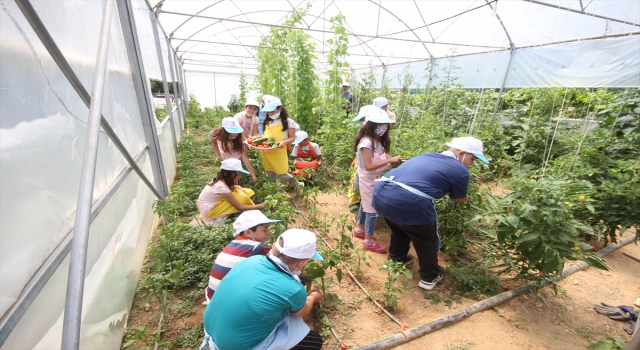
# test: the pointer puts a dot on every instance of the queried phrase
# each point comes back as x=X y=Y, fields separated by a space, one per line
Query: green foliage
x=609 y=343
x=472 y=279
x=244 y=89
x=191 y=338
x=157 y=86
x=142 y=334
x=161 y=113
x=394 y=270
x=535 y=229
x=317 y=270
x=235 y=104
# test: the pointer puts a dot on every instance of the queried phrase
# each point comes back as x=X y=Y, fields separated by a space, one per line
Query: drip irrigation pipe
x=393 y=318
x=414 y=333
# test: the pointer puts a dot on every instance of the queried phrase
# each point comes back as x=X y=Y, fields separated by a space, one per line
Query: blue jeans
x=366 y=219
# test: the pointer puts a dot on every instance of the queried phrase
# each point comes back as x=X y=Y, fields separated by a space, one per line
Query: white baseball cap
x=265 y=97
x=271 y=103
x=380 y=102
x=249 y=219
x=345 y=84
x=300 y=136
x=378 y=116
x=232 y=164
x=298 y=244
x=361 y=113
x=469 y=144
x=251 y=101
x=231 y=125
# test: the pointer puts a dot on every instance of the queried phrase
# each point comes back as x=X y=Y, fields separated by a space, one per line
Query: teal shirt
x=249 y=302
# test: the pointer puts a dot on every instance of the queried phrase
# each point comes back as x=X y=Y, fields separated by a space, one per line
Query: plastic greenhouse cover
x=214 y=36
x=118 y=239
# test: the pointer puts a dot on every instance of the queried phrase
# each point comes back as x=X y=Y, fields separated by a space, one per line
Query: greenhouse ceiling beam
x=319 y=52
x=582 y=12
x=39 y=280
x=47 y=40
x=191 y=17
x=511 y=44
x=325 y=31
x=72 y=319
x=357 y=37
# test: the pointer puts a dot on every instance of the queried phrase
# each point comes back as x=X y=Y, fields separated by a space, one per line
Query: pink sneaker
x=358 y=234
x=374 y=246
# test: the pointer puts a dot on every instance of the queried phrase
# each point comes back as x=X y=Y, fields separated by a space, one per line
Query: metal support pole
x=176 y=90
x=185 y=92
x=167 y=98
x=504 y=81
x=145 y=102
x=78 y=261
x=43 y=34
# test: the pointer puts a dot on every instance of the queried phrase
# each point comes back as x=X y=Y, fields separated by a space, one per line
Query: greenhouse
x=117 y=252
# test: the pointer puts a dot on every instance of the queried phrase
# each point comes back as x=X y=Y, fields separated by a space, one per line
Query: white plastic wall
x=42 y=132
x=211 y=93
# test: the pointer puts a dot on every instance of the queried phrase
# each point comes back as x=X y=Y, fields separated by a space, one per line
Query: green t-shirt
x=249 y=302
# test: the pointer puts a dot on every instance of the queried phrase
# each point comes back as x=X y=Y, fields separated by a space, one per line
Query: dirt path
x=566 y=321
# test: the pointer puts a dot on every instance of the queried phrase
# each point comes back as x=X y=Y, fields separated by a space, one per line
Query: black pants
x=313 y=340
x=425 y=241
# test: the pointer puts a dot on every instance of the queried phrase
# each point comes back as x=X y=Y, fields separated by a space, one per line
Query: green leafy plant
x=608 y=343
x=317 y=270
x=394 y=270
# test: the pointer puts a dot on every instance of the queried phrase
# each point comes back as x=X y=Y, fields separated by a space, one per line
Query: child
x=279 y=126
x=261 y=302
x=383 y=103
x=221 y=197
x=252 y=230
x=227 y=144
x=307 y=153
x=372 y=147
x=248 y=119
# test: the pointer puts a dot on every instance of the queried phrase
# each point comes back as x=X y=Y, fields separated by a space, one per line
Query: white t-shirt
x=305 y=149
x=246 y=122
x=365 y=142
x=292 y=124
x=208 y=198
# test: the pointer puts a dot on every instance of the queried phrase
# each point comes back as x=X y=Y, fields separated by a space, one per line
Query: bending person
x=222 y=196
x=260 y=302
x=405 y=198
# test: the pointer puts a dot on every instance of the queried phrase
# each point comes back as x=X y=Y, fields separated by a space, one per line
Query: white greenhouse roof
x=221 y=36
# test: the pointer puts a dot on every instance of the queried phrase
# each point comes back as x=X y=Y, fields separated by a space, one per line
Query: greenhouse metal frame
x=590 y=44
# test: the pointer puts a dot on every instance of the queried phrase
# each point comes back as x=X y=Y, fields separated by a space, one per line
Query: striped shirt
x=236 y=251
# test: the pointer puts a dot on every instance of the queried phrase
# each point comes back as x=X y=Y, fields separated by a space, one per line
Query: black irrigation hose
x=414 y=333
x=393 y=318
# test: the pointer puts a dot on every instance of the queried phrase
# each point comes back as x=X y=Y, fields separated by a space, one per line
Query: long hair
x=228 y=144
x=227 y=176
x=284 y=118
x=368 y=130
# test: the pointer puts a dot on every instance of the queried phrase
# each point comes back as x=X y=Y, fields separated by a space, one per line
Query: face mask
x=381 y=129
x=275 y=116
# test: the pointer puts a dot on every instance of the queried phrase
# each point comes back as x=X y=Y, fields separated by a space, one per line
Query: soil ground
x=563 y=321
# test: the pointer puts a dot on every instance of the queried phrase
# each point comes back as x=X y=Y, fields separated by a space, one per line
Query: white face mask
x=275 y=116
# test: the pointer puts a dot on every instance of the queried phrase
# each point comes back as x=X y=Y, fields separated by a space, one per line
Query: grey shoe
x=430 y=285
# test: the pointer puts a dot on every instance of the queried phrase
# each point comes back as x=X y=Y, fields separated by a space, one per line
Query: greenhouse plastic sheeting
x=211 y=93
x=117 y=246
x=167 y=150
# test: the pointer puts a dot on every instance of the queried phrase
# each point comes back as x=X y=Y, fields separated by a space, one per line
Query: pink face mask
x=381 y=129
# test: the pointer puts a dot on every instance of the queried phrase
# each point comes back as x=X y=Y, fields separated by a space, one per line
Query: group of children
x=222 y=197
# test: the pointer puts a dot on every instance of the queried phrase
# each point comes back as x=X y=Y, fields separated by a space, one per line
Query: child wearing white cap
x=248 y=119
x=251 y=231
x=383 y=103
x=222 y=196
x=306 y=153
x=261 y=301
x=372 y=147
x=227 y=143
x=283 y=129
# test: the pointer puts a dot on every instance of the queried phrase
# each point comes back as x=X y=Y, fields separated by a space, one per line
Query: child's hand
x=317 y=296
x=395 y=160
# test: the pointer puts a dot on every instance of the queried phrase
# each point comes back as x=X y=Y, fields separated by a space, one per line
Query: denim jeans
x=367 y=219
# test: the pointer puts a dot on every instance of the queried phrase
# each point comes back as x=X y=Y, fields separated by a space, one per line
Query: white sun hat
x=380 y=102
x=378 y=116
x=345 y=84
x=249 y=219
x=361 y=113
x=298 y=244
x=300 y=136
x=470 y=145
x=232 y=164
x=271 y=103
x=251 y=101
x=231 y=125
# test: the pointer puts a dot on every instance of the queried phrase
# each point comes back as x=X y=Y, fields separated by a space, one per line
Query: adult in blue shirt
x=405 y=198
x=260 y=302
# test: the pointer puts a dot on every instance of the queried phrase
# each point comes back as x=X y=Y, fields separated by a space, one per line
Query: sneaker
x=358 y=234
x=429 y=285
x=374 y=246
